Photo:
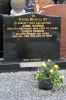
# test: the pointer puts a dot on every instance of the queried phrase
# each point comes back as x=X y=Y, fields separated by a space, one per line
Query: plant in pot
x=48 y=76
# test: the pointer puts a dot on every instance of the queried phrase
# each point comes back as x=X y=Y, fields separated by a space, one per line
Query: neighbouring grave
x=59 y=10
x=1 y=36
x=5 y=7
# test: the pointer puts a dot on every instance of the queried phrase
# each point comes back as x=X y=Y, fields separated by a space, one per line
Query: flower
x=56 y=67
x=43 y=65
x=49 y=60
x=51 y=71
x=61 y=77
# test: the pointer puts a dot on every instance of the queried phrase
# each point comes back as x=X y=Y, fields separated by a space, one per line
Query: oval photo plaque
x=18 y=5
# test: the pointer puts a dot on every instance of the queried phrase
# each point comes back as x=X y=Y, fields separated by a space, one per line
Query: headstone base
x=21 y=66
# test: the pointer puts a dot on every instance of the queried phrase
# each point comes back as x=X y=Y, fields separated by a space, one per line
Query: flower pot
x=45 y=84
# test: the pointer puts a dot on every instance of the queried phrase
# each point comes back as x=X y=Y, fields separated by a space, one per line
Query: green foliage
x=56 y=79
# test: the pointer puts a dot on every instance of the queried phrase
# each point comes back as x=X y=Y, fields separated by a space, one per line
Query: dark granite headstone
x=31 y=37
x=5 y=7
x=1 y=36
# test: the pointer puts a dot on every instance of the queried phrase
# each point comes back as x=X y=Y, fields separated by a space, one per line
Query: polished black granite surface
x=31 y=37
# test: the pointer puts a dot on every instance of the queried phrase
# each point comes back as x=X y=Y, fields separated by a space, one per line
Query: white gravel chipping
x=22 y=86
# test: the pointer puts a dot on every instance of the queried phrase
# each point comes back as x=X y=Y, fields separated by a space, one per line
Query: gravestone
x=1 y=36
x=0 y=6
x=5 y=7
x=31 y=37
x=40 y=4
x=55 y=10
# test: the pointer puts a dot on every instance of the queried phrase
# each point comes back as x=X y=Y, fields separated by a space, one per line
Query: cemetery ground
x=19 y=84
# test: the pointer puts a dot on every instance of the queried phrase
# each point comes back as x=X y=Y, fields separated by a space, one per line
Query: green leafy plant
x=50 y=70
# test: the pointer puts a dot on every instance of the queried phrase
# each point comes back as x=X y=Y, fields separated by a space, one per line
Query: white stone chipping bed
x=21 y=86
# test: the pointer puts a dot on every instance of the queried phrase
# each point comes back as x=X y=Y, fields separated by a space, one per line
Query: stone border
x=29 y=65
